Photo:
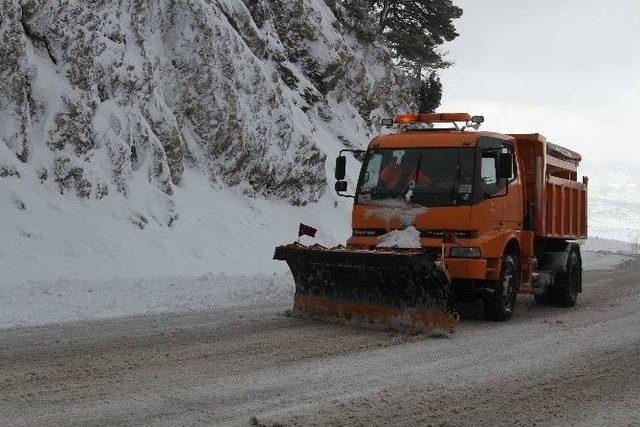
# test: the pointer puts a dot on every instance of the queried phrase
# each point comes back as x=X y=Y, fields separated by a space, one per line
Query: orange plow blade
x=400 y=290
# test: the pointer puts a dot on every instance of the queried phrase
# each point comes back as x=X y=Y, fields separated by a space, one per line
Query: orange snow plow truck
x=444 y=214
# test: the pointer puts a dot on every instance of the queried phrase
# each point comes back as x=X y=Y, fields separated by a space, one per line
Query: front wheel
x=499 y=305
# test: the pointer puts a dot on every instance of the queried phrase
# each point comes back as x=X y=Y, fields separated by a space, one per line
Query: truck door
x=492 y=187
x=488 y=211
x=504 y=196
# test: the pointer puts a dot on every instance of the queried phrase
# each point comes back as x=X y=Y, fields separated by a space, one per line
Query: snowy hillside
x=149 y=138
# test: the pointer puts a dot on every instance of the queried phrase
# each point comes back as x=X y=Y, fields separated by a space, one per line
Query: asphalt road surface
x=547 y=366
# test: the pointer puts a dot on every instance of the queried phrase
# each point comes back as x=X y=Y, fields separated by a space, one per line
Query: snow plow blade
x=395 y=289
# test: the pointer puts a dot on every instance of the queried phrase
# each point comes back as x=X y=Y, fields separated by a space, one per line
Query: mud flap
x=393 y=288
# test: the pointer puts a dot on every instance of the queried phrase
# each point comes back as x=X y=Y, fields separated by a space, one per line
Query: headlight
x=464 y=253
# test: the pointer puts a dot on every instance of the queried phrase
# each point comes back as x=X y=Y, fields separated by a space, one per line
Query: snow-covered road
x=546 y=366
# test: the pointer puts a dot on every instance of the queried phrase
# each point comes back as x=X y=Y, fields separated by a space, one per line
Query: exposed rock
x=8 y=171
x=104 y=91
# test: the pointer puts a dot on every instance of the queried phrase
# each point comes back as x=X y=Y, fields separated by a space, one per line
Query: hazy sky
x=569 y=69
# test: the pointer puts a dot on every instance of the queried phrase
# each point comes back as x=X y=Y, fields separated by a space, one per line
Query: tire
x=499 y=305
x=565 y=293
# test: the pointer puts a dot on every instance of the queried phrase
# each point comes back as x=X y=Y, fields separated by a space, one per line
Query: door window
x=371 y=174
x=488 y=172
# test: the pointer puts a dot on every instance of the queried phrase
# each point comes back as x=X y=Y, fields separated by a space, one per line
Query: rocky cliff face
x=252 y=93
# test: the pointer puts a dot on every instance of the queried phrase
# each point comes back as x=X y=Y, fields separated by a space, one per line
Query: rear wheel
x=565 y=293
x=499 y=305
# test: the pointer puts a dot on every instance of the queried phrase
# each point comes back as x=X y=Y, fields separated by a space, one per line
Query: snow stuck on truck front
x=409 y=238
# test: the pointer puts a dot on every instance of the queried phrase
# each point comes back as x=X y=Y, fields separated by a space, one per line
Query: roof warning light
x=429 y=119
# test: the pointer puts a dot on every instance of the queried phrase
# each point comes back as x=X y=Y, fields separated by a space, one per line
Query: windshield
x=427 y=176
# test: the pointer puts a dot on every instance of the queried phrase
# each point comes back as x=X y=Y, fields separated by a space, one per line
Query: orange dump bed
x=556 y=202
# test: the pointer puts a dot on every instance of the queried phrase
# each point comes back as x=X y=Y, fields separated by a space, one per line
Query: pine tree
x=413 y=29
x=428 y=93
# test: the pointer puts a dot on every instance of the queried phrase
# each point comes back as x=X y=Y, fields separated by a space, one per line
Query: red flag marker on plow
x=306 y=230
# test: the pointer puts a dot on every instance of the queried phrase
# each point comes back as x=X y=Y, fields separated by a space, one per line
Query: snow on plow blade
x=397 y=289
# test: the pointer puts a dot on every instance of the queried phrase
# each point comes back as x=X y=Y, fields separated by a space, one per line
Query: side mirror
x=505 y=166
x=341 y=168
x=341 y=186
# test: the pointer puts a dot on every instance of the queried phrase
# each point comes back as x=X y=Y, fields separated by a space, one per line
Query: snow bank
x=59 y=276
x=46 y=236
x=68 y=300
